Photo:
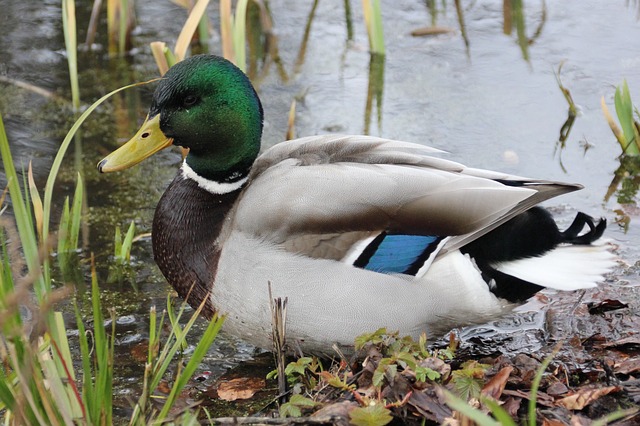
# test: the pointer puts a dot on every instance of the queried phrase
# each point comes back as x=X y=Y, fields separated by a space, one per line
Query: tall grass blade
x=535 y=384
x=374 y=91
x=240 y=34
x=125 y=251
x=63 y=233
x=112 y=13
x=123 y=25
x=104 y=348
x=22 y=217
x=226 y=30
x=64 y=365
x=117 y=243
x=69 y=227
x=36 y=202
x=616 y=415
x=463 y=27
x=614 y=127
x=178 y=336
x=76 y=214
x=348 y=18
x=189 y=29
x=373 y=21
x=175 y=325
x=57 y=162
x=162 y=55
x=92 y=28
x=88 y=392
x=519 y=21
x=196 y=358
x=291 y=122
x=71 y=44
x=476 y=415
x=624 y=110
x=305 y=38
x=499 y=413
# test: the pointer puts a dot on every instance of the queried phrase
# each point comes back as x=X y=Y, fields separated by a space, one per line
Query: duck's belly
x=330 y=302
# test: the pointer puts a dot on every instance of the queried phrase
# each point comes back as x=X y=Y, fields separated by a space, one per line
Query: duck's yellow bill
x=145 y=143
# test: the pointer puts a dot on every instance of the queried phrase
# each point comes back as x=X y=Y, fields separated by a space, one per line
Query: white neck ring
x=211 y=186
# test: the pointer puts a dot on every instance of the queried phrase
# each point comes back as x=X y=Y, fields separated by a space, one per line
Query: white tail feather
x=564 y=268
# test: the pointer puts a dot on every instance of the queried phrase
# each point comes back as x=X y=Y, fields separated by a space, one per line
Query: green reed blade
x=88 y=392
x=240 y=34
x=36 y=201
x=63 y=231
x=624 y=110
x=57 y=162
x=22 y=216
x=71 y=44
x=194 y=361
x=465 y=409
x=125 y=251
x=189 y=29
x=76 y=214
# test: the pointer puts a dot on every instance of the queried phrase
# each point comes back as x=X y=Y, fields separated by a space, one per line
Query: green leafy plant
x=371 y=415
x=122 y=247
x=629 y=136
x=295 y=406
x=468 y=380
x=500 y=416
x=301 y=373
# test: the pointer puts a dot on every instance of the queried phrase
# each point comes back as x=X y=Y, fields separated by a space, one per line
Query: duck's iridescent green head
x=205 y=104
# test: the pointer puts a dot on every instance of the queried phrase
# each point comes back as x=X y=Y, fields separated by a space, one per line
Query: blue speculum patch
x=402 y=254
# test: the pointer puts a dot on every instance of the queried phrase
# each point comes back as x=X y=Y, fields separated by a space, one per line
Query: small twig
x=30 y=87
x=279 y=330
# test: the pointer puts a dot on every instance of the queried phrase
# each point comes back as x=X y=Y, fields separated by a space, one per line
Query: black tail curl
x=572 y=234
x=532 y=233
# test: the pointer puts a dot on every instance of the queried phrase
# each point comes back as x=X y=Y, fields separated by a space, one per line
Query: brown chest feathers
x=186 y=224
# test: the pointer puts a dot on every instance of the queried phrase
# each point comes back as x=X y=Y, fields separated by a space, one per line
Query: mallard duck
x=357 y=232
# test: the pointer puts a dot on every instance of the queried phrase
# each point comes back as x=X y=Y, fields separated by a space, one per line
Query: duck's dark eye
x=189 y=100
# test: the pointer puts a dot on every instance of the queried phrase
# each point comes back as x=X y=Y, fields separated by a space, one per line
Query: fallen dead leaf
x=605 y=306
x=495 y=386
x=240 y=388
x=541 y=397
x=511 y=405
x=140 y=352
x=552 y=422
x=557 y=389
x=164 y=387
x=628 y=366
x=585 y=396
x=631 y=341
x=338 y=412
x=577 y=420
x=429 y=404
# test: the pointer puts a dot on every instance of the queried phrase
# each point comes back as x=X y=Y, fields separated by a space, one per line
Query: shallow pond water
x=486 y=104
